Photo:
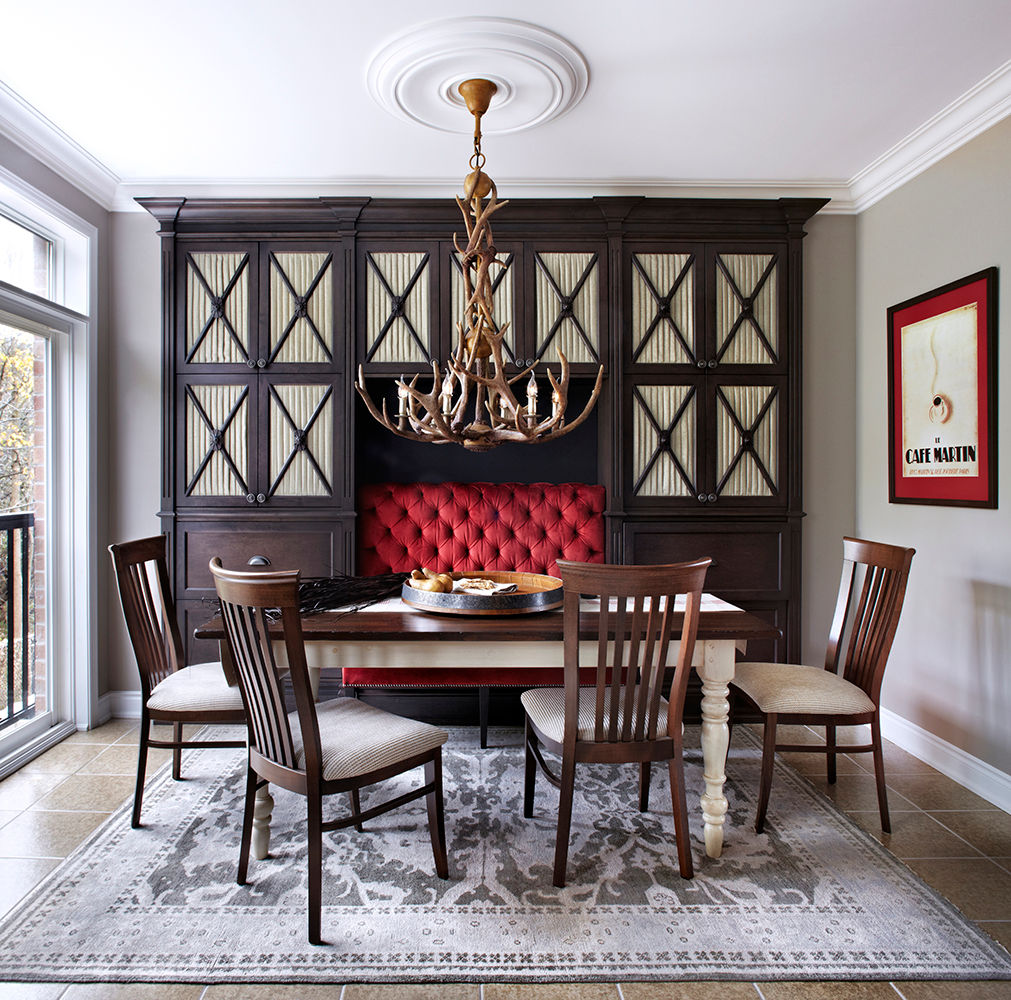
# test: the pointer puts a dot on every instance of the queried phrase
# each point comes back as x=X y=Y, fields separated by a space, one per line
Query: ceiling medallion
x=538 y=74
x=473 y=404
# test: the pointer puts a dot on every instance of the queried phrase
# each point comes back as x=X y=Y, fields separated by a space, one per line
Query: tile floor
x=956 y=841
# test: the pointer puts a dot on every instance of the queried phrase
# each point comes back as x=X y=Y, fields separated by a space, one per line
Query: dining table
x=392 y=635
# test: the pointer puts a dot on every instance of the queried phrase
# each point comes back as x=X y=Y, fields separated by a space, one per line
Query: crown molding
x=952 y=127
x=961 y=121
x=39 y=137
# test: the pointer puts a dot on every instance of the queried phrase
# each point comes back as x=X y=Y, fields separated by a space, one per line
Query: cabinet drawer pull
x=258 y=561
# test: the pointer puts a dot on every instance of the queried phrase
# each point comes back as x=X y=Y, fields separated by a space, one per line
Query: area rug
x=814 y=897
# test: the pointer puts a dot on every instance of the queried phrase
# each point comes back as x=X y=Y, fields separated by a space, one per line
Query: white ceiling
x=244 y=97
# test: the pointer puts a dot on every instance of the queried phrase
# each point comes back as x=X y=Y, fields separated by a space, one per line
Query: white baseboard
x=976 y=775
x=119 y=705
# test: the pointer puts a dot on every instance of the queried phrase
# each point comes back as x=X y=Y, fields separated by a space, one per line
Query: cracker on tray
x=482 y=585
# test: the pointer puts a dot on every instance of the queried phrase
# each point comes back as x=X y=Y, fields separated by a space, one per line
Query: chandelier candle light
x=473 y=403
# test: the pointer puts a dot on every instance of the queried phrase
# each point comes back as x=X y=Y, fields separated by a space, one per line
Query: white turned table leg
x=716 y=670
x=263 y=808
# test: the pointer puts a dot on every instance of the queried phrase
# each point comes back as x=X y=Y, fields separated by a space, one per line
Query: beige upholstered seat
x=318 y=750
x=199 y=688
x=356 y=738
x=546 y=710
x=170 y=691
x=847 y=690
x=785 y=688
x=622 y=718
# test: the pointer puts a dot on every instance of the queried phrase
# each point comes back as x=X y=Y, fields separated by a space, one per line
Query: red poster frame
x=917 y=465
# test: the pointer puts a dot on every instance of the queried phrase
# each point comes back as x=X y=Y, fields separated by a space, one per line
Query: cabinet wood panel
x=312 y=548
x=749 y=560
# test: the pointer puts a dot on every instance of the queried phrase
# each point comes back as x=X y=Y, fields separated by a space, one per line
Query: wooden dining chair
x=338 y=746
x=847 y=691
x=623 y=717
x=170 y=691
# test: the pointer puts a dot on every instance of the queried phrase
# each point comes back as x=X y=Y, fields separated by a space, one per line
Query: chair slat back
x=144 y=592
x=871 y=592
x=245 y=598
x=638 y=620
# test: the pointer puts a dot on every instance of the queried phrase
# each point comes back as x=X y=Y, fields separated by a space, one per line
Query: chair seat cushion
x=546 y=708
x=199 y=688
x=356 y=738
x=790 y=689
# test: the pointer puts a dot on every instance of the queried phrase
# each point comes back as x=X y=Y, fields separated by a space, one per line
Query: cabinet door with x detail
x=300 y=440
x=748 y=441
x=747 y=309
x=298 y=320
x=217 y=307
x=569 y=314
x=663 y=311
x=398 y=300
x=215 y=435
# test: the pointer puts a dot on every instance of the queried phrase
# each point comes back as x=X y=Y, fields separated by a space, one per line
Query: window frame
x=69 y=322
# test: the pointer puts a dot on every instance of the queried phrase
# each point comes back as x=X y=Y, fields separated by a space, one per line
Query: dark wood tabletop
x=408 y=624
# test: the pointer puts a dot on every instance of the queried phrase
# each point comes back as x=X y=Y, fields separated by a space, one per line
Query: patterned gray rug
x=813 y=897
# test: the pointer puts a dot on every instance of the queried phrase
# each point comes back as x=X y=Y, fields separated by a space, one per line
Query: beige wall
x=950 y=670
x=132 y=433
x=829 y=368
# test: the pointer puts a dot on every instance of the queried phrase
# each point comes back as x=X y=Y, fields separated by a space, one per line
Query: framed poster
x=942 y=388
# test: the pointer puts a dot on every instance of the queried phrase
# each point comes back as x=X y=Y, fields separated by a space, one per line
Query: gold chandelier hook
x=477 y=95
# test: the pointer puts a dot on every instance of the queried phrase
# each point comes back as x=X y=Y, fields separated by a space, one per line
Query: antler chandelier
x=472 y=403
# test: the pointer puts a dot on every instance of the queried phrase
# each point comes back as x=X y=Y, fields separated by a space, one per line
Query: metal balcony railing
x=17 y=620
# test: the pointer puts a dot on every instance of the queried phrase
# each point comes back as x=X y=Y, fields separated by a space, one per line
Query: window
x=25 y=413
x=26 y=258
x=48 y=280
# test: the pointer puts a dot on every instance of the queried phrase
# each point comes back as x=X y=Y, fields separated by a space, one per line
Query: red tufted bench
x=449 y=527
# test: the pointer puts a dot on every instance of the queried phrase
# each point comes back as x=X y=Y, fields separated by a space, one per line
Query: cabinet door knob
x=712 y=498
x=250 y=363
x=250 y=498
x=702 y=498
x=712 y=363
x=258 y=561
x=260 y=497
x=261 y=363
x=701 y=364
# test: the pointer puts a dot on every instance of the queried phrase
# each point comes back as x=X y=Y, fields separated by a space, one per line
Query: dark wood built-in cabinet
x=692 y=306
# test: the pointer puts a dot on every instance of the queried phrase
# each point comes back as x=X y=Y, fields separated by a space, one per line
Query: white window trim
x=74 y=454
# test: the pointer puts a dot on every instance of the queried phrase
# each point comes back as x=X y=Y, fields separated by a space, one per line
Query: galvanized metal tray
x=534 y=592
